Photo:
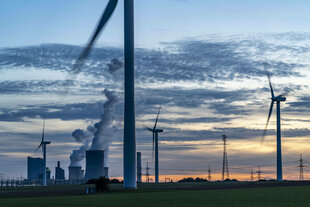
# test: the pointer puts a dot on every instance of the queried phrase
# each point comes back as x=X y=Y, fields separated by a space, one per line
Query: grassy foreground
x=275 y=196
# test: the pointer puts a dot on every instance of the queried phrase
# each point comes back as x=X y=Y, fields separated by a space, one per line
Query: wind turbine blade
x=265 y=130
x=157 y=118
x=285 y=93
x=38 y=147
x=268 y=76
x=102 y=23
x=148 y=128
x=42 y=139
x=270 y=85
x=43 y=134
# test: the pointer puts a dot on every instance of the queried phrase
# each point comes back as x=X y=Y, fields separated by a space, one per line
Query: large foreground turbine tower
x=129 y=149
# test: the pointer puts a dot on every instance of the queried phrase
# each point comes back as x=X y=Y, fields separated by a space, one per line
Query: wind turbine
x=155 y=132
x=278 y=100
x=43 y=145
x=129 y=149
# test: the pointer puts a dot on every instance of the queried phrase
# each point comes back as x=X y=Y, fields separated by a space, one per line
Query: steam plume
x=102 y=132
x=78 y=155
x=105 y=129
x=114 y=65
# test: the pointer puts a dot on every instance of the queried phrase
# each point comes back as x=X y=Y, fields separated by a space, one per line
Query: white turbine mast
x=129 y=149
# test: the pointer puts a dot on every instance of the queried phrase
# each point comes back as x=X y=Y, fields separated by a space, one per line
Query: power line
x=209 y=174
x=147 y=174
x=259 y=173
x=301 y=168
x=231 y=168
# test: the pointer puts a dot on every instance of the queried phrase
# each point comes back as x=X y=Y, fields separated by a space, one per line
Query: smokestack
x=94 y=164
x=106 y=172
x=75 y=173
x=139 y=168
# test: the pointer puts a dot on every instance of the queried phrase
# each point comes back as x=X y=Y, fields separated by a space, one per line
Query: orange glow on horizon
x=218 y=177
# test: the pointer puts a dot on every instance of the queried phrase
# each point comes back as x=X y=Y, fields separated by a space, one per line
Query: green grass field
x=272 y=196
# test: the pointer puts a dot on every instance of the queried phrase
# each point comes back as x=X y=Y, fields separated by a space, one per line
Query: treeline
x=190 y=180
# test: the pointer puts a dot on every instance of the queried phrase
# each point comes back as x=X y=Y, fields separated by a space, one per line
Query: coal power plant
x=94 y=164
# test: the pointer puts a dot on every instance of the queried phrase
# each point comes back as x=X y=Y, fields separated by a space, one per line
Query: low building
x=59 y=173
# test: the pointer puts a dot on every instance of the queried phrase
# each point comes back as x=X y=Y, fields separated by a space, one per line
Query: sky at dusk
x=202 y=60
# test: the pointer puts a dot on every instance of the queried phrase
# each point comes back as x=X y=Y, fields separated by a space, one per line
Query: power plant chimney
x=225 y=161
x=59 y=173
x=106 y=172
x=139 y=168
x=94 y=164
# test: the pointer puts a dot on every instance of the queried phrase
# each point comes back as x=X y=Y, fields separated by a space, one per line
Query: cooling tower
x=75 y=173
x=94 y=164
x=139 y=168
x=106 y=172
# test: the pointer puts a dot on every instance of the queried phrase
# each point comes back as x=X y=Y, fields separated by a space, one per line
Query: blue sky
x=71 y=21
x=202 y=60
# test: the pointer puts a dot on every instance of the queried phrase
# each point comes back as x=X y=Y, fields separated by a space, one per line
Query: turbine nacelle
x=155 y=130
x=158 y=130
x=47 y=142
x=278 y=98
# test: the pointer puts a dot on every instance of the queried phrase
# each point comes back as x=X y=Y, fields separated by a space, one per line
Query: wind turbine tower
x=43 y=145
x=278 y=100
x=225 y=161
x=129 y=111
x=129 y=150
x=155 y=132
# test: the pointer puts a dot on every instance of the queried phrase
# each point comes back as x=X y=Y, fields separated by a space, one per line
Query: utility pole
x=301 y=168
x=252 y=175
x=209 y=174
x=225 y=161
x=147 y=174
x=259 y=174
